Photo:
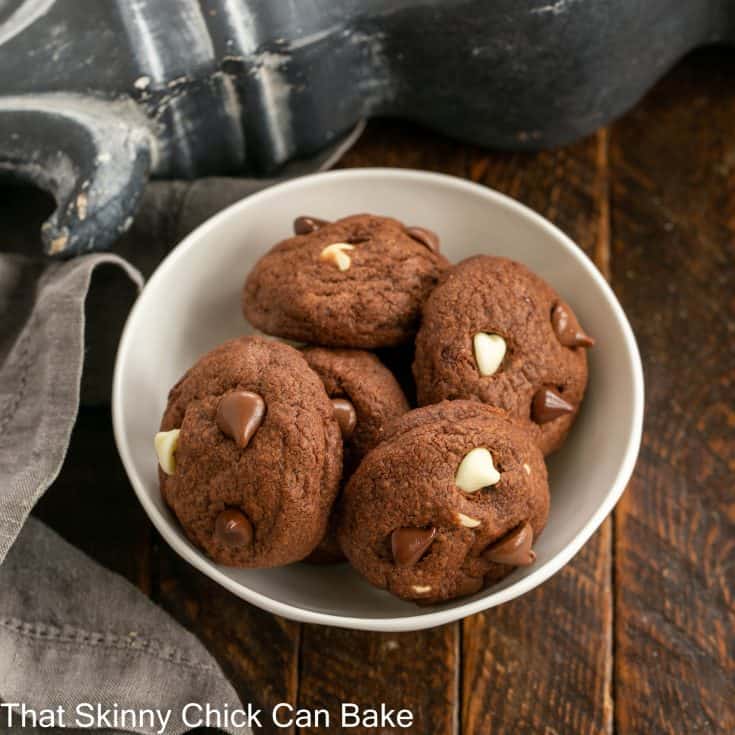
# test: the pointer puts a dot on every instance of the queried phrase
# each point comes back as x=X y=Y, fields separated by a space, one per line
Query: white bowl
x=192 y=303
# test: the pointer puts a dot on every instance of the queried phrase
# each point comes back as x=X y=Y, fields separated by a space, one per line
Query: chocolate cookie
x=357 y=282
x=450 y=502
x=366 y=399
x=250 y=454
x=495 y=332
x=365 y=395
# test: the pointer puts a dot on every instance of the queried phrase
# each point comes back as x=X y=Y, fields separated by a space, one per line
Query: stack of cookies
x=271 y=453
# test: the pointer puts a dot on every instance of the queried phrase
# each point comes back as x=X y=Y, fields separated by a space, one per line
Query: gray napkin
x=70 y=631
x=41 y=351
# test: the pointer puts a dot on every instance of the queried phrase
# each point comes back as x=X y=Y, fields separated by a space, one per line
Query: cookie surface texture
x=358 y=282
x=449 y=503
x=259 y=454
x=493 y=331
x=367 y=399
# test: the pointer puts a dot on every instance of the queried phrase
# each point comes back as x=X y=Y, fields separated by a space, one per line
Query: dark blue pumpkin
x=97 y=95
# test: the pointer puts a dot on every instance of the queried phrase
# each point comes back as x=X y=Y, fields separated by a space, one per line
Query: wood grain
x=417 y=671
x=543 y=663
x=257 y=651
x=673 y=224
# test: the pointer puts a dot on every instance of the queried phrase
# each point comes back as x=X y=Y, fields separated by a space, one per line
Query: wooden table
x=637 y=633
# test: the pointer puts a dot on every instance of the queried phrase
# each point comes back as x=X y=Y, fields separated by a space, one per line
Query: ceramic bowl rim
x=423 y=619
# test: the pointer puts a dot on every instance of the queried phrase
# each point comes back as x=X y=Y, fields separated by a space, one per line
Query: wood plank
x=420 y=670
x=673 y=224
x=543 y=663
x=257 y=651
x=416 y=671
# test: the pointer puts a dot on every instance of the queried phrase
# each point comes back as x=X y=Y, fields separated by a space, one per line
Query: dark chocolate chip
x=548 y=405
x=232 y=528
x=239 y=414
x=468 y=586
x=410 y=544
x=567 y=329
x=425 y=237
x=345 y=414
x=307 y=225
x=514 y=549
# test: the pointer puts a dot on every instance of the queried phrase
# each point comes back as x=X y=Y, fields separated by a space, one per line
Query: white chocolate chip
x=165 y=443
x=476 y=470
x=421 y=589
x=527 y=468
x=335 y=254
x=489 y=352
x=467 y=521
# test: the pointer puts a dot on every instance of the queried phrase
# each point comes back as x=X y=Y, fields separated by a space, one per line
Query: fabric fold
x=42 y=352
x=80 y=635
